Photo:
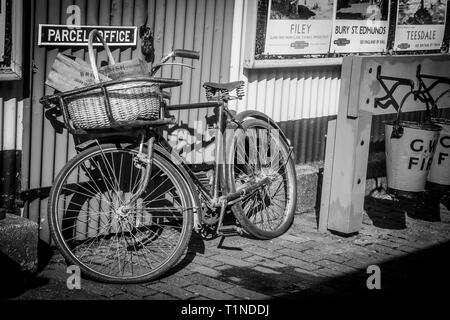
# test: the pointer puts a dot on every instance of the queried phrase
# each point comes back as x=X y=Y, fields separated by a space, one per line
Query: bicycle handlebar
x=180 y=53
x=186 y=54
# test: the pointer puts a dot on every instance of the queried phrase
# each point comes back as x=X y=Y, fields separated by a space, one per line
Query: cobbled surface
x=408 y=240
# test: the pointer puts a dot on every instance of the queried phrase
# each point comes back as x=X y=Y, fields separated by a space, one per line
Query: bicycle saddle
x=229 y=86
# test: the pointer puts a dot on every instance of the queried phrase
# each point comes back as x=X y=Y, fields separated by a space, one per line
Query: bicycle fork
x=144 y=160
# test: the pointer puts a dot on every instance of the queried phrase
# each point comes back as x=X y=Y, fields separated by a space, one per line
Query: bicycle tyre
x=242 y=209
x=180 y=224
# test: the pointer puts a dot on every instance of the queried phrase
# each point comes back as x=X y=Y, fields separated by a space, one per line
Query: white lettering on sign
x=75 y=16
x=71 y=35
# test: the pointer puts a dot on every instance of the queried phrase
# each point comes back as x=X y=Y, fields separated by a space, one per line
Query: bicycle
x=123 y=209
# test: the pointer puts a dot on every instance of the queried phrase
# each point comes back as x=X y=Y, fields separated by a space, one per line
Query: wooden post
x=326 y=182
x=346 y=163
x=348 y=177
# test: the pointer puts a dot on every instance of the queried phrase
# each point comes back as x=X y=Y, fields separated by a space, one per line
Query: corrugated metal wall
x=293 y=93
x=302 y=100
x=203 y=25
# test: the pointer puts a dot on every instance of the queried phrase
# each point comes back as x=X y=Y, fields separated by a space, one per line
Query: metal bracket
x=389 y=100
x=424 y=91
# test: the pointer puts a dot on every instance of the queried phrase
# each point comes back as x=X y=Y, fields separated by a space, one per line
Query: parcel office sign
x=78 y=36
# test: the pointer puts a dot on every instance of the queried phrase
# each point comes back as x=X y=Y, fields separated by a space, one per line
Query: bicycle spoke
x=108 y=166
x=161 y=184
x=259 y=153
x=93 y=180
x=90 y=245
x=159 y=197
x=143 y=246
x=80 y=193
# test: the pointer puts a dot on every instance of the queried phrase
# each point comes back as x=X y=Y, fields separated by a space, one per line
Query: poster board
x=259 y=51
x=360 y=26
x=420 y=25
x=299 y=27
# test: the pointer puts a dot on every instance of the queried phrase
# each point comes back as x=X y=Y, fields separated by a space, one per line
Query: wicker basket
x=128 y=101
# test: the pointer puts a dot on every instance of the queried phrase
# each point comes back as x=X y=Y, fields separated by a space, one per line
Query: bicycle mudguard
x=242 y=116
x=81 y=145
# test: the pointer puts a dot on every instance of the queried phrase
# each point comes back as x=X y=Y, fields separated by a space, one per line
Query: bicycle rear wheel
x=97 y=228
x=257 y=151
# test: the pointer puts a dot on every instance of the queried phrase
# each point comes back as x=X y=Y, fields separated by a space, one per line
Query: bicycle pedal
x=228 y=231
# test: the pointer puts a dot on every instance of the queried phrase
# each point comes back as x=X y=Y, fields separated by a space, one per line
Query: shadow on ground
x=393 y=219
x=196 y=246
x=390 y=212
x=13 y=281
x=420 y=275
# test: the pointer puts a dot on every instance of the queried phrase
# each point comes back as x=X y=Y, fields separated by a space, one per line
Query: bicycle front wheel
x=96 y=227
x=255 y=152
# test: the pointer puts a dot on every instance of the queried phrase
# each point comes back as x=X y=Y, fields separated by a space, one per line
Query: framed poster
x=420 y=25
x=2 y=29
x=297 y=27
x=360 y=26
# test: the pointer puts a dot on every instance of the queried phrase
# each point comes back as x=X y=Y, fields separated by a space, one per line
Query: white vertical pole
x=237 y=48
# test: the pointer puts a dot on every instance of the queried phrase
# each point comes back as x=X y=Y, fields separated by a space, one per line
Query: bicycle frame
x=211 y=196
